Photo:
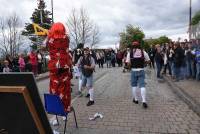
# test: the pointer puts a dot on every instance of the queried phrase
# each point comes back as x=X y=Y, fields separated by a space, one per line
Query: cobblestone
x=166 y=112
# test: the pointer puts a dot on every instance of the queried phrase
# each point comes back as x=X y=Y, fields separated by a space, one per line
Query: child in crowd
x=6 y=68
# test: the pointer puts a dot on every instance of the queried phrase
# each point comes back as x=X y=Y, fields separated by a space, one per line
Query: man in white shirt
x=137 y=59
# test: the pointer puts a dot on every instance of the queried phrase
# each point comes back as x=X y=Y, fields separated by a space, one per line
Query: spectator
x=108 y=58
x=183 y=65
x=6 y=68
x=178 y=60
x=102 y=58
x=159 y=61
x=33 y=61
x=166 y=60
x=15 y=64
x=1 y=66
x=39 y=60
x=171 y=58
x=10 y=61
x=126 y=65
x=197 y=55
x=77 y=54
x=113 y=58
x=119 y=58
x=21 y=63
x=190 y=59
x=93 y=54
x=98 y=59
x=152 y=52
x=28 y=67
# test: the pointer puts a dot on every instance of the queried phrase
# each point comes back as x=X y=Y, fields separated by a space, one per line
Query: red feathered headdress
x=57 y=31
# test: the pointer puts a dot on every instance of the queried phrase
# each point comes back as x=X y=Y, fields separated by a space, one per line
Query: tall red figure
x=60 y=63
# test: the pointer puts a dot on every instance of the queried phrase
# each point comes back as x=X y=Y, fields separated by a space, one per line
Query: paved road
x=166 y=112
x=43 y=85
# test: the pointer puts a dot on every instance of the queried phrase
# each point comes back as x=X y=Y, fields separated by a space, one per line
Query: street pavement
x=166 y=113
x=189 y=91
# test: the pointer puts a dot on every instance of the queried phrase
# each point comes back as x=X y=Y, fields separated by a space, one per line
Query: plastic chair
x=54 y=105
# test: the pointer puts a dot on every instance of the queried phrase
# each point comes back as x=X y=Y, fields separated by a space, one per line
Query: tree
x=129 y=35
x=10 y=36
x=196 y=18
x=95 y=36
x=40 y=16
x=161 y=40
x=82 y=29
x=73 y=22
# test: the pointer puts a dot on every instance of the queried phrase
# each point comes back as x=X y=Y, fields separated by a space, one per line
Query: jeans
x=167 y=66
x=87 y=81
x=198 y=71
x=152 y=63
x=190 y=69
x=177 y=72
x=137 y=78
x=171 y=65
x=159 y=68
x=183 y=72
x=108 y=63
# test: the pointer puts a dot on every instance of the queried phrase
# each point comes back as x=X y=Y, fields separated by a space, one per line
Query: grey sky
x=155 y=17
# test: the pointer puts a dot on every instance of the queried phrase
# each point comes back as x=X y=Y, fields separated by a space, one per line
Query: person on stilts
x=59 y=64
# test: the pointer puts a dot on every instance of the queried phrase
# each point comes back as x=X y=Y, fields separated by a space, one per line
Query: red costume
x=59 y=63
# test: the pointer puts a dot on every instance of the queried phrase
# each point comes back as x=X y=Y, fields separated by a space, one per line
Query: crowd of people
x=103 y=56
x=180 y=60
x=32 y=62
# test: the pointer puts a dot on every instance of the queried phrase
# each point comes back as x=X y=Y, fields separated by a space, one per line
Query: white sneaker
x=64 y=118
x=55 y=132
x=54 y=122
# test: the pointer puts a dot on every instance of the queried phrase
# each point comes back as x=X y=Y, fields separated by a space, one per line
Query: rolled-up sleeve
x=79 y=61
x=92 y=62
x=128 y=59
x=146 y=56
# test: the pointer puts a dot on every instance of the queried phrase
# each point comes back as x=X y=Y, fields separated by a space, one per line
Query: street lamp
x=190 y=19
x=52 y=10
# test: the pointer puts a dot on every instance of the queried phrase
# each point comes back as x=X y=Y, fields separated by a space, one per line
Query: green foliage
x=163 y=39
x=160 y=40
x=196 y=18
x=35 y=18
x=131 y=34
x=145 y=46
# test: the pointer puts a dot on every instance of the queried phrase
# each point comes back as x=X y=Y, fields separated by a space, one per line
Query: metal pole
x=190 y=19
x=52 y=11
x=40 y=8
x=41 y=18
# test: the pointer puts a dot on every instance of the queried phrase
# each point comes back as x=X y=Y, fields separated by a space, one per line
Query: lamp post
x=40 y=9
x=190 y=19
x=52 y=11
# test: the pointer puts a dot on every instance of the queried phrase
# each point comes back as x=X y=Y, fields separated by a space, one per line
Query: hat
x=86 y=49
x=5 y=61
x=135 y=43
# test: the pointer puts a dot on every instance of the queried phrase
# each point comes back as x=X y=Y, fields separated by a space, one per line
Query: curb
x=42 y=77
x=193 y=104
